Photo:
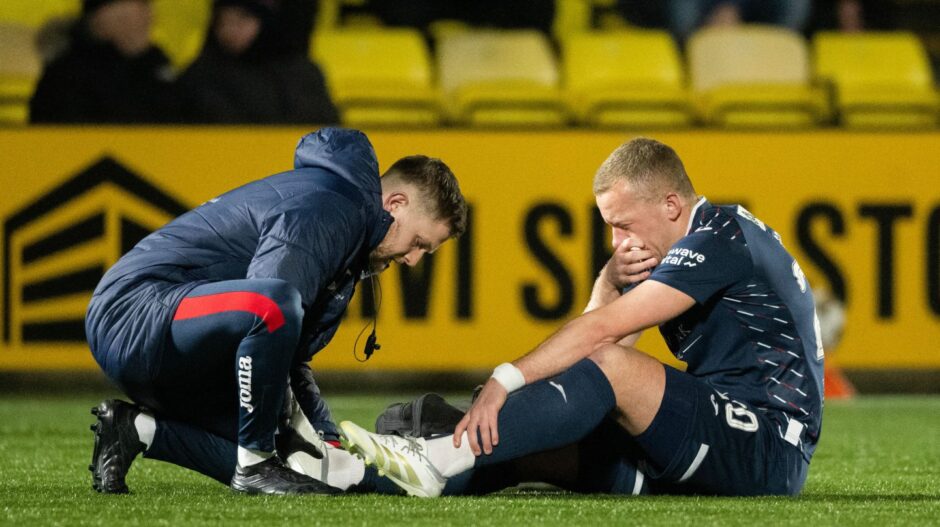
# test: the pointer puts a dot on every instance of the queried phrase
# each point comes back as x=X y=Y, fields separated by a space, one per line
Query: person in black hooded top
x=241 y=76
x=110 y=72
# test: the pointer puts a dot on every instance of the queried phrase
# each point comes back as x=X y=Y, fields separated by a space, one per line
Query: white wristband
x=509 y=376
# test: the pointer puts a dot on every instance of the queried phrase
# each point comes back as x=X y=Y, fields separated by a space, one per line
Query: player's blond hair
x=648 y=166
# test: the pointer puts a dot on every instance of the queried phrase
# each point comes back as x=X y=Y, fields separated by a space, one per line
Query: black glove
x=287 y=441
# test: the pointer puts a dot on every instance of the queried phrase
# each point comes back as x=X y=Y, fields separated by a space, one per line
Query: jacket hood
x=349 y=155
x=344 y=152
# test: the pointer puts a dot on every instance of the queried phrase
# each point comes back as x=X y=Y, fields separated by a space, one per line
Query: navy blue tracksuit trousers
x=220 y=379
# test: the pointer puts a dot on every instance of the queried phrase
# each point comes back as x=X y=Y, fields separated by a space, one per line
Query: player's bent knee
x=616 y=361
x=638 y=381
x=612 y=360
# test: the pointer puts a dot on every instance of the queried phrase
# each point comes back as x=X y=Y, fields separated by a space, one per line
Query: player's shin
x=543 y=416
x=261 y=384
x=552 y=413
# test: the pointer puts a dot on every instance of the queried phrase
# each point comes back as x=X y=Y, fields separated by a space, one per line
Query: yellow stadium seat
x=500 y=78
x=35 y=13
x=179 y=28
x=444 y=28
x=626 y=78
x=19 y=70
x=378 y=77
x=578 y=16
x=753 y=77
x=571 y=17
x=880 y=79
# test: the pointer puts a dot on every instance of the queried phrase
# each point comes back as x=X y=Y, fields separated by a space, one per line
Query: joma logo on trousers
x=244 y=383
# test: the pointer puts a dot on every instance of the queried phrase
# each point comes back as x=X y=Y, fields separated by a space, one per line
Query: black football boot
x=116 y=445
x=271 y=476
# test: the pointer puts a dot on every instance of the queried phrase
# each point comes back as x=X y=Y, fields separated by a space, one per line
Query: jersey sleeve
x=307 y=246
x=703 y=264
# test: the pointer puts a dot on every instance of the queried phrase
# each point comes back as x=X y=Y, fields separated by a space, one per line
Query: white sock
x=146 y=427
x=247 y=458
x=450 y=461
x=345 y=469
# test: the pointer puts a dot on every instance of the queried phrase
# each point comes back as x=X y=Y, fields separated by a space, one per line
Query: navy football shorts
x=705 y=442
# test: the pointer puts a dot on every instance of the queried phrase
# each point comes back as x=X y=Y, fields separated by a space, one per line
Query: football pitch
x=878 y=463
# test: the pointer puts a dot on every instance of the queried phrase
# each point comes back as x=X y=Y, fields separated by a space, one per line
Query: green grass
x=878 y=464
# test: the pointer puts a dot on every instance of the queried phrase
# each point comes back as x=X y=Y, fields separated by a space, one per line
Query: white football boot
x=402 y=459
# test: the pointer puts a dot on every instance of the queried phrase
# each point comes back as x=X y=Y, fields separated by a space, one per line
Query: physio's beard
x=381 y=257
x=377 y=265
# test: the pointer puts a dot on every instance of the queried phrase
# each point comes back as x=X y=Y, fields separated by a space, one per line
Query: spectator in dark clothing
x=853 y=15
x=643 y=14
x=110 y=71
x=295 y=20
x=244 y=75
x=501 y=14
x=686 y=16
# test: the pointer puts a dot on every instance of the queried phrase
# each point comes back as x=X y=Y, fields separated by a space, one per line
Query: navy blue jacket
x=313 y=227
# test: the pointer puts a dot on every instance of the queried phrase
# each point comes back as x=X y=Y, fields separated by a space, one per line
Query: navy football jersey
x=752 y=333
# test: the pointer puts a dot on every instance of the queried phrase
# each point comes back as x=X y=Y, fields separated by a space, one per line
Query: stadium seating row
x=753 y=76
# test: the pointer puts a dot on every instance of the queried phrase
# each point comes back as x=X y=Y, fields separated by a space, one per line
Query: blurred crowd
x=681 y=17
x=254 y=66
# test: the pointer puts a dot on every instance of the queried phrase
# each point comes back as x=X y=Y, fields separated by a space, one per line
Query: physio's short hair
x=650 y=167
x=438 y=185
